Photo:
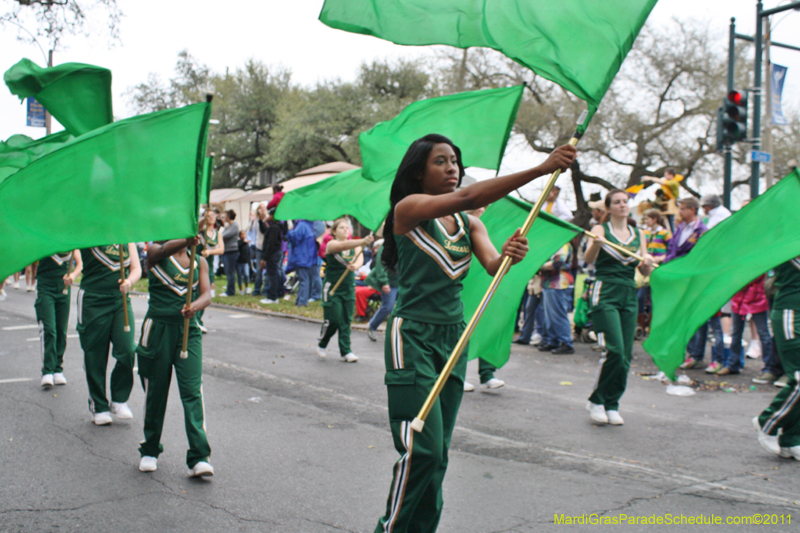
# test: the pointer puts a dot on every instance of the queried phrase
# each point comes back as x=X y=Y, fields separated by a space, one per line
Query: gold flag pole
x=185 y=345
x=69 y=271
x=419 y=422
x=127 y=327
x=344 y=274
x=618 y=248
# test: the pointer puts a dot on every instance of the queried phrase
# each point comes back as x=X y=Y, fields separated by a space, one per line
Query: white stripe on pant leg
x=325 y=290
x=791 y=324
x=203 y=404
x=397 y=344
x=80 y=306
x=41 y=340
x=790 y=402
x=401 y=476
x=596 y=292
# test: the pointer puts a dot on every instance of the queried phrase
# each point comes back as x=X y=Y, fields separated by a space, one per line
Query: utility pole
x=48 y=119
x=769 y=170
x=726 y=149
x=754 y=166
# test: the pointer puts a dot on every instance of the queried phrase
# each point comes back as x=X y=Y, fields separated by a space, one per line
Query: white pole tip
x=184 y=355
x=417 y=425
x=126 y=329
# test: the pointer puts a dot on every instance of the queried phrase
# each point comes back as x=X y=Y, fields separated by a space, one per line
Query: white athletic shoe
x=224 y=295
x=3 y=294
x=122 y=410
x=322 y=352
x=614 y=418
x=102 y=419
x=597 y=413
x=767 y=442
x=267 y=301
x=535 y=339
x=468 y=387
x=148 y=464
x=372 y=334
x=59 y=379
x=201 y=469
x=349 y=358
x=47 y=381
x=790 y=453
x=754 y=351
x=16 y=285
x=493 y=383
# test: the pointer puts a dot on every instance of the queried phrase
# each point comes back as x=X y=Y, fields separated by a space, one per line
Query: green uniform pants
x=614 y=309
x=338 y=314
x=52 y=313
x=784 y=411
x=100 y=323
x=159 y=350
x=415 y=353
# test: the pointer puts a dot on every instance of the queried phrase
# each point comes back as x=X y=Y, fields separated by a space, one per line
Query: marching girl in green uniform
x=614 y=305
x=210 y=244
x=430 y=242
x=341 y=255
x=159 y=350
x=53 y=281
x=783 y=414
x=101 y=323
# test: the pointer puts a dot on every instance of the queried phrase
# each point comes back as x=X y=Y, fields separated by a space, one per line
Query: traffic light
x=734 y=117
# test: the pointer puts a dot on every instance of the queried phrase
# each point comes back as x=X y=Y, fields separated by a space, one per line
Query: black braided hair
x=408 y=181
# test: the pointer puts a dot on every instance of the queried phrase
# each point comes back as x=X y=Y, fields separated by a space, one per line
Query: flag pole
x=618 y=248
x=69 y=271
x=185 y=345
x=127 y=327
x=419 y=422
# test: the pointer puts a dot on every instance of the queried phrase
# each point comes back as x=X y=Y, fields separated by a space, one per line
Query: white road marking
x=15 y=380
x=14 y=328
x=32 y=339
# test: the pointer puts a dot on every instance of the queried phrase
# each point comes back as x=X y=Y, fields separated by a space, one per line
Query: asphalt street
x=302 y=444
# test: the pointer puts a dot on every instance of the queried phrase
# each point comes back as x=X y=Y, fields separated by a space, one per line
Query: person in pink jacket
x=751 y=300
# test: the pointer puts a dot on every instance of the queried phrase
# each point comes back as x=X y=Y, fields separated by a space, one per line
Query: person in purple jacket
x=683 y=240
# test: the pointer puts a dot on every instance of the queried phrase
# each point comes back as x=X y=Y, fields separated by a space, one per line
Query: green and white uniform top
x=787 y=285
x=168 y=281
x=613 y=267
x=101 y=268
x=431 y=266
x=208 y=242
x=335 y=266
x=51 y=272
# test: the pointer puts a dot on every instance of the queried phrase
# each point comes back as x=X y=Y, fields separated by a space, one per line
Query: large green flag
x=689 y=290
x=346 y=193
x=133 y=180
x=578 y=44
x=208 y=177
x=77 y=95
x=491 y=340
x=478 y=122
x=20 y=151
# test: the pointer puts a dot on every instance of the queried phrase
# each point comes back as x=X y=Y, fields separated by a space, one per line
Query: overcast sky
x=287 y=33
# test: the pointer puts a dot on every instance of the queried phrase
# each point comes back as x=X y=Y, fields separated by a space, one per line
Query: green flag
x=689 y=290
x=77 y=95
x=478 y=122
x=133 y=180
x=578 y=44
x=20 y=151
x=346 y=193
x=491 y=340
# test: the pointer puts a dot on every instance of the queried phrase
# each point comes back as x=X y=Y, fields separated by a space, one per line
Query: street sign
x=759 y=157
x=36 y=113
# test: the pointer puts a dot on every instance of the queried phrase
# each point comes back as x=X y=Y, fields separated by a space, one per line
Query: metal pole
x=768 y=168
x=754 y=166
x=48 y=119
x=726 y=151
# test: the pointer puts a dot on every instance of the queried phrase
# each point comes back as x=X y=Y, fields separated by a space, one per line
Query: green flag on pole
x=491 y=340
x=689 y=290
x=346 y=193
x=208 y=176
x=133 y=180
x=478 y=122
x=77 y=95
x=578 y=44
x=20 y=151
